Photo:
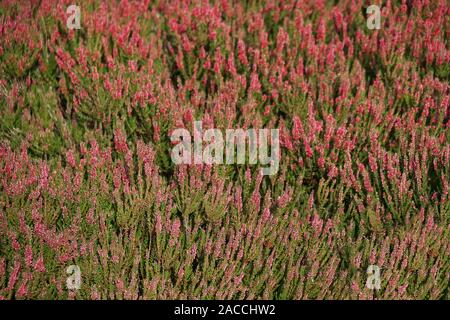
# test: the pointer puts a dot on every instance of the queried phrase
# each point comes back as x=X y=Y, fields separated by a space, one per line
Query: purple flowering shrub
x=86 y=176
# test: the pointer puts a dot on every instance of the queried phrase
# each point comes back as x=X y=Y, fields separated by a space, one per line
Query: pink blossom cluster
x=86 y=176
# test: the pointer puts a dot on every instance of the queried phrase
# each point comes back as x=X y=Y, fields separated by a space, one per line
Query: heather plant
x=87 y=179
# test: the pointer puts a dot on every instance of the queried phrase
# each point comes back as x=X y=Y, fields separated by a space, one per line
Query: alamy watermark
x=374 y=17
x=234 y=144
x=73 y=20
x=73 y=282
x=373 y=279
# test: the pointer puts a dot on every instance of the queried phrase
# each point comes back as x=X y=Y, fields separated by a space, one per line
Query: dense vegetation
x=87 y=179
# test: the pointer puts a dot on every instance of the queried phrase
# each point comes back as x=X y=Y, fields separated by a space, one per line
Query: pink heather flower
x=430 y=223
x=218 y=61
x=382 y=256
x=179 y=60
x=270 y=259
x=120 y=142
x=208 y=247
x=23 y=290
x=90 y=216
x=394 y=280
x=207 y=63
x=120 y=285
x=313 y=271
x=117 y=177
x=95 y=295
x=180 y=273
x=158 y=224
x=238 y=199
x=202 y=53
x=2 y=267
x=95 y=74
x=156 y=131
x=404 y=263
x=286 y=139
x=308 y=150
x=422 y=215
x=248 y=176
x=242 y=56
x=28 y=256
x=70 y=158
x=132 y=65
x=402 y=289
x=372 y=163
x=266 y=215
x=193 y=251
x=14 y=275
x=321 y=29
x=282 y=40
x=311 y=201
x=366 y=178
x=16 y=245
x=321 y=162
x=240 y=254
x=43 y=177
x=333 y=171
x=110 y=62
x=317 y=223
x=188 y=117
x=256 y=199
x=373 y=256
x=238 y=279
x=355 y=287
x=297 y=129
x=175 y=230
x=255 y=86
x=284 y=199
x=24 y=228
x=434 y=270
x=357 y=260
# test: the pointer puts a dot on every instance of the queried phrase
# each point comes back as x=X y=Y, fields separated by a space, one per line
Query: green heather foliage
x=86 y=176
